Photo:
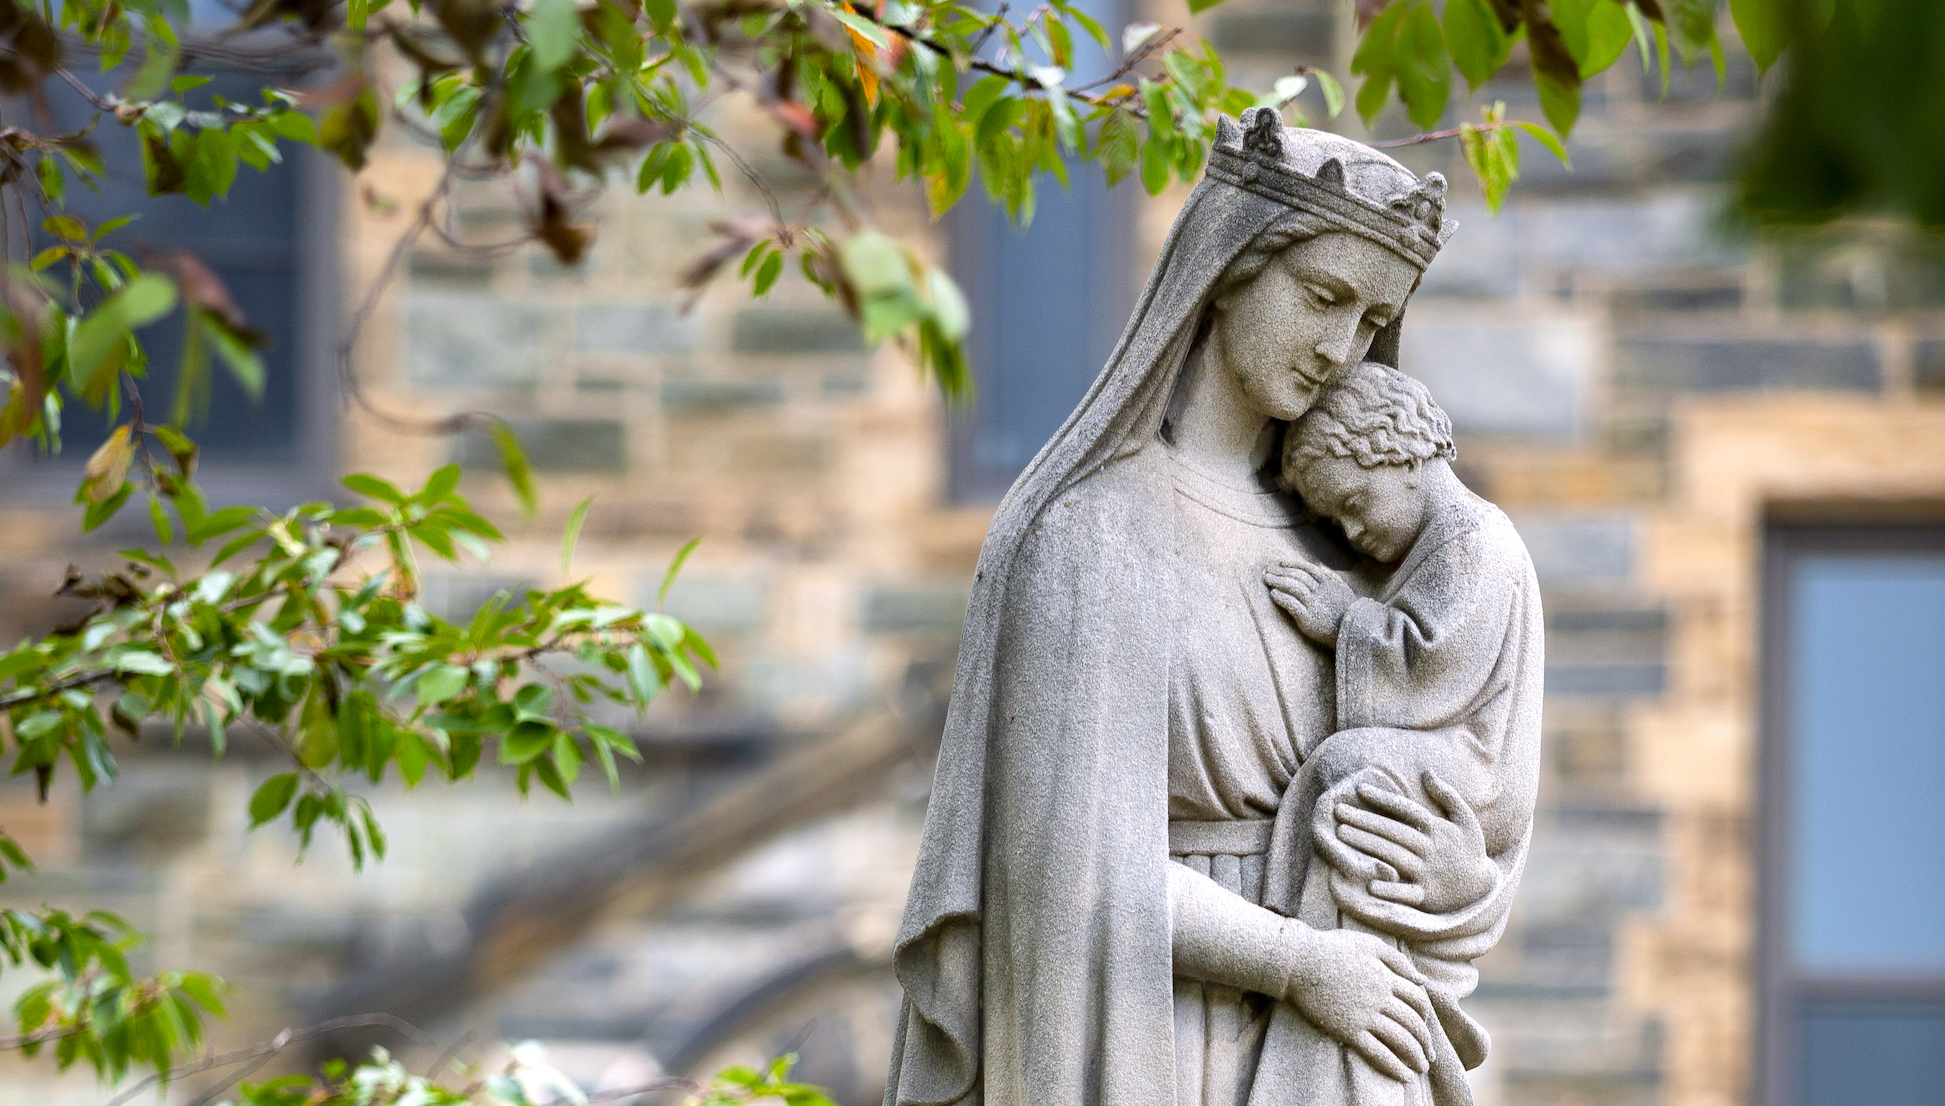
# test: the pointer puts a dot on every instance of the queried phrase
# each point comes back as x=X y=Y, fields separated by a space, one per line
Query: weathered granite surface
x=1240 y=768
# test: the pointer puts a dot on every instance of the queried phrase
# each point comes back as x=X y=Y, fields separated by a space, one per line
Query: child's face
x=1380 y=509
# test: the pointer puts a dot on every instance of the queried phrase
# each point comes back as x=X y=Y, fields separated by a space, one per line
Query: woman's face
x=1312 y=311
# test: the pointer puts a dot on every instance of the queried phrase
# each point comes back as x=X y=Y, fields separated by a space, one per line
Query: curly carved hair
x=1374 y=415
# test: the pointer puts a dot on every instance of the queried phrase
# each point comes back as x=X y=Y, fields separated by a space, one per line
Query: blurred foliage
x=1859 y=127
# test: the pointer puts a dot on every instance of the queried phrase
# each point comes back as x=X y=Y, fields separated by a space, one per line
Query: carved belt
x=1235 y=838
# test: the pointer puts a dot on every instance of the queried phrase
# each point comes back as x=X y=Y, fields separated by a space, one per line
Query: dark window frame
x=312 y=468
x=1782 y=990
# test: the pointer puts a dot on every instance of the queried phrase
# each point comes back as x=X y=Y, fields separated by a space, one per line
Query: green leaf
x=1545 y=138
x=768 y=272
x=526 y=741
x=373 y=487
x=949 y=308
x=554 y=30
x=136 y=304
x=643 y=679
x=158 y=62
x=574 y=521
x=271 y=797
x=1333 y=92
x=440 y=683
x=1154 y=166
x=442 y=483
x=1424 y=69
x=1479 y=44
x=519 y=473
x=865 y=28
x=1560 y=102
x=1198 y=6
x=66 y=226
x=675 y=566
x=1118 y=146
x=1376 y=61
x=98 y=513
x=1764 y=27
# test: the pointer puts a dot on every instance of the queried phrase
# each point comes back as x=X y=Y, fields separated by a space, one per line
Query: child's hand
x=1313 y=597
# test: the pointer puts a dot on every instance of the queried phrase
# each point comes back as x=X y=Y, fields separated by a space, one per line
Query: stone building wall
x=1635 y=380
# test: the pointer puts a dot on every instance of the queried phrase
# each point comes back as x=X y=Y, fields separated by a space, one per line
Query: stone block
x=1607 y=681
x=152 y=813
x=794 y=330
x=1710 y=292
x=471 y=339
x=556 y=445
x=914 y=609
x=451 y=270
x=1295 y=32
x=712 y=396
x=1503 y=376
x=1629 y=237
x=632 y=328
x=1607 y=653
x=1486 y=263
x=1579 y=549
x=1685 y=154
x=1661 y=363
x=715 y=604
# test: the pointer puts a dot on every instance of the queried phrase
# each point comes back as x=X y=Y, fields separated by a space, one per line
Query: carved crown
x=1382 y=201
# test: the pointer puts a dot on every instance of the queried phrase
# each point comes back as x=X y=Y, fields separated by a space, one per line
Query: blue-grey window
x=270 y=241
x=1048 y=303
x=1854 y=816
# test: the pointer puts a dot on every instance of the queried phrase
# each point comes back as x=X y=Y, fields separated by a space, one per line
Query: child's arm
x=1313 y=597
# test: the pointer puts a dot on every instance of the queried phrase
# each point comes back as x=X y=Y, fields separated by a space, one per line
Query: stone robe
x=1035 y=952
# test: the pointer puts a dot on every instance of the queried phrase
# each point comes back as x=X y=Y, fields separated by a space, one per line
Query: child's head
x=1359 y=453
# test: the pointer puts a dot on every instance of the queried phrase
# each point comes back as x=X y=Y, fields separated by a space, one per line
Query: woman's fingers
x=1400 y=964
x=1402 y=1044
x=1379 y=1055
x=1388 y=828
x=1404 y=894
x=1409 y=811
x=1413 y=996
x=1382 y=849
x=1414 y=1022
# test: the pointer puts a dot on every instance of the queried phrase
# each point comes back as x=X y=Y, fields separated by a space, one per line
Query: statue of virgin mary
x=1101 y=914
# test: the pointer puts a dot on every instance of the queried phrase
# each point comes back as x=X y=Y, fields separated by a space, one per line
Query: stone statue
x=1239 y=770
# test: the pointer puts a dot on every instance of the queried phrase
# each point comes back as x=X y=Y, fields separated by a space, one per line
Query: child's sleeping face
x=1381 y=509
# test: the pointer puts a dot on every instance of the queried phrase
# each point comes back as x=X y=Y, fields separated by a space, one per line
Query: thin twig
x=1147 y=50
x=1429 y=136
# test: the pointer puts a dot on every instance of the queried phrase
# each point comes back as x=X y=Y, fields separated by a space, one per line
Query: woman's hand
x=1433 y=862
x=1367 y=996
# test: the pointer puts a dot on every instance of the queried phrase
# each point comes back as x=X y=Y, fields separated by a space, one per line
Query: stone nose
x=1335 y=347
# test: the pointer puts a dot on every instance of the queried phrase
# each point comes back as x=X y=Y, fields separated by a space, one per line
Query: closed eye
x=1322 y=297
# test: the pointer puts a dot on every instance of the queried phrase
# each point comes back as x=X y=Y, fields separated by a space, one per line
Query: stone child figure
x=1435 y=676
x=1166 y=861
